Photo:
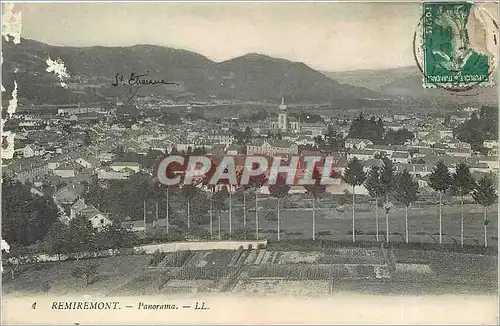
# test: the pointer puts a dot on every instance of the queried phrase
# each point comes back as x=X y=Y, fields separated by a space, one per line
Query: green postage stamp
x=459 y=42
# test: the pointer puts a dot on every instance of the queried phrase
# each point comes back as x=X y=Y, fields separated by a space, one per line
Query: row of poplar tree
x=383 y=181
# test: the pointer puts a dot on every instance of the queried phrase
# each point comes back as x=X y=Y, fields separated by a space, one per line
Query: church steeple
x=282 y=105
x=282 y=116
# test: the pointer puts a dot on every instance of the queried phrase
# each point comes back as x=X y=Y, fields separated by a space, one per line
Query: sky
x=326 y=36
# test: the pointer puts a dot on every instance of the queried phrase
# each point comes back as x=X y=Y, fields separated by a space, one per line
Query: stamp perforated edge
x=425 y=84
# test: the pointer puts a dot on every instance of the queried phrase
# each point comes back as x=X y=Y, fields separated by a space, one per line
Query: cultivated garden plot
x=174 y=259
x=260 y=257
x=282 y=287
x=351 y=256
x=197 y=259
x=190 y=286
x=297 y=257
x=314 y=271
x=188 y=272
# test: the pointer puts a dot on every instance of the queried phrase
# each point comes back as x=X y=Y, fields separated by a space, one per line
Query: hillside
x=371 y=79
x=406 y=83
x=98 y=65
x=253 y=77
x=256 y=75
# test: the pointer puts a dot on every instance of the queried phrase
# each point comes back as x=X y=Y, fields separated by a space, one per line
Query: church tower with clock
x=283 y=116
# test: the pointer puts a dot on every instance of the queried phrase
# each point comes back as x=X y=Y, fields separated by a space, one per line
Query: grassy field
x=332 y=224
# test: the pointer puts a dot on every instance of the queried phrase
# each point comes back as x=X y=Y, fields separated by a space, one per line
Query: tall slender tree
x=207 y=182
x=375 y=188
x=462 y=185
x=406 y=192
x=229 y=187
x=256 y=182
x=440 y=181
x=388 y=181
x=315 y=190
x=279 y=190
x=485 y=194
x=167 y=191
x=187 y=189
x=188 y=192
x=211 y=212
x=244 y=188
x=354 y=175
x=219 y=204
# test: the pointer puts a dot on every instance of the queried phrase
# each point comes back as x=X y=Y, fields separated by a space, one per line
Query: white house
x=361 y=154
x=357 y=143
x=401 y=157
x=105 y=156
x=492 y=162
x=303 y=140
x=359 y=190
x=96 y=218
x=460 y=152
x=120 y=166
x=108 y=174
x=446 y=133
x=419 y=170
x=65 y=171
x=297 y=190
x=76 y=208
x=32 y=150
x=491 y=144
x=422 y=183
x=86 y=162
x=134 y=226
x=184 y=147
x=272 y=147
x=67 y=194
x=316 y=128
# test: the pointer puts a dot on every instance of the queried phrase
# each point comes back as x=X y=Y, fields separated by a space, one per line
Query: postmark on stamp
x=458 y=49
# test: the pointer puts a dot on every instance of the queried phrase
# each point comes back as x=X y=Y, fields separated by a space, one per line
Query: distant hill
x=99 y=65
x=259 y=76
x=406 y=84
x=252 y=77
x=372 y=79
